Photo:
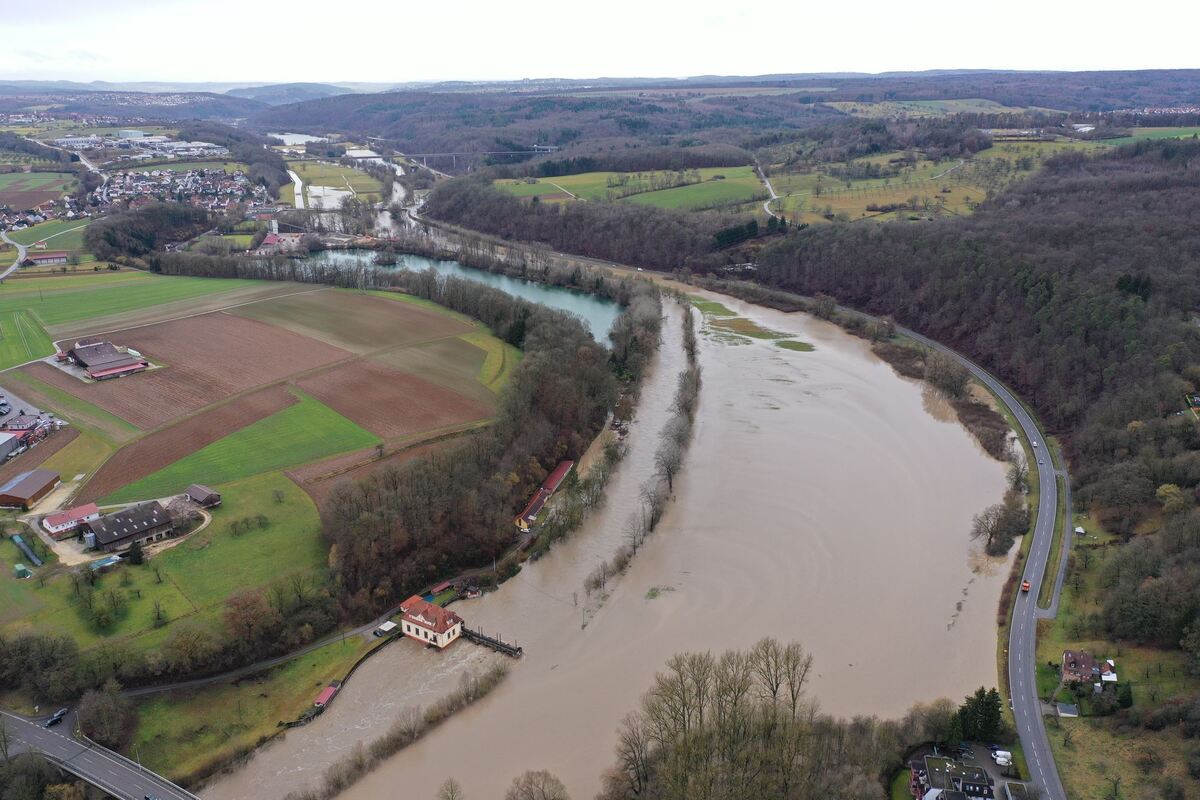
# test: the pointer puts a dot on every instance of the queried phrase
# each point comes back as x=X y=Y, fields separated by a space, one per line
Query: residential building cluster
x=213 y=189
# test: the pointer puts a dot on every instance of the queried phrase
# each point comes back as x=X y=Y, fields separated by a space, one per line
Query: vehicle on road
x=1025 y=586
x=57 y=717
x=1035 y=443
x=1041 y=461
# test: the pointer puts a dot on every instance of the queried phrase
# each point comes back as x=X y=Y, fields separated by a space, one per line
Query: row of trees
x=741 y=724
x=629 y=234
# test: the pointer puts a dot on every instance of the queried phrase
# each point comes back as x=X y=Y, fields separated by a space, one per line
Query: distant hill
x=143 y=105
x=278 y=94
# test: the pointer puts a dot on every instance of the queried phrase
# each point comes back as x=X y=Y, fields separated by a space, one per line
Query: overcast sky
x=399 y=40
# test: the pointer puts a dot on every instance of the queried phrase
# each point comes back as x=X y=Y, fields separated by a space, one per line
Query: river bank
x=802 y=464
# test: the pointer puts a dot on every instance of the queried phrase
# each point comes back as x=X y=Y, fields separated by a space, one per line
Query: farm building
x=429 y=623
x=549 y=486
x=26 y=489
x=203 y=496
x=101 y=359
x=528 y=516
x=46 y=258
x=556 y=478
x=62 y=522
x=146 y=523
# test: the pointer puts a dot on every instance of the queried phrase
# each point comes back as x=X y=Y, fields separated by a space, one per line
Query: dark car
x=57 y=717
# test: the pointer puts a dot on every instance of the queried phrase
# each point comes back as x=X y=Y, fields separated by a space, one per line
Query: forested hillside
x=1080 y=287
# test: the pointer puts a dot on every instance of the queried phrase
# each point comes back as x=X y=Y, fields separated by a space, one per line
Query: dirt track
x=165 y=447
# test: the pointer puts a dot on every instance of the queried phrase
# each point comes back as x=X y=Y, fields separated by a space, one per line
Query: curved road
x=111 y=772
x=1022 y=638
x=20 y=255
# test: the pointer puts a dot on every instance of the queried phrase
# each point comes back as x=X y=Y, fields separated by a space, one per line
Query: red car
x=1024 y=586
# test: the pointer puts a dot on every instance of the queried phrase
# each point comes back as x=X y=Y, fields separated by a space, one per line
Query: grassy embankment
x=303 y=432
x=190 y=580
x=184 y=734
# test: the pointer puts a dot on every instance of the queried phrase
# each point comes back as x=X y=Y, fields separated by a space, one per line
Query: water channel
x=824 y=499
x=598 y=313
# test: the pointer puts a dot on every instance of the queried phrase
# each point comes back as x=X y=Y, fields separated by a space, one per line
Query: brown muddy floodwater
x=824 y=499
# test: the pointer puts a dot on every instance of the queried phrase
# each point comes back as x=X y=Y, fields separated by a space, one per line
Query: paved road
x=113 y=773
x=299 y=187
x=20 y=255
x=1022 y=639
x=770 y=188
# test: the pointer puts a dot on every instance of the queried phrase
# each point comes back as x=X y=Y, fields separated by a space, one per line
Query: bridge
x=111 y=772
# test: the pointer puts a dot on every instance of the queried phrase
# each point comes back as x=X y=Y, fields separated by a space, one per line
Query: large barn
x=26 y=489
x=146 y=523
x=101 y=359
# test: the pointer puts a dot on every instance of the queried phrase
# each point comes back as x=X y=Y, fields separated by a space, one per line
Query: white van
x=1002 y=755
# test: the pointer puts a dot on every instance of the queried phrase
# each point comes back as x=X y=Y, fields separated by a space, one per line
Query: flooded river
x=824 y=499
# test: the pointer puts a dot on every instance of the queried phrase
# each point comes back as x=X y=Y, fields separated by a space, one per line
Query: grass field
x=696 y=188
x=300 y=433
x=22 y=338
x=54 y=302
x=198 y=573
x=180 y=734
x=739 y=185
x=80 y=457
x=1139 y=134
x=335 y=176
x=59 y=234
x=22 y=190
x=184 y=166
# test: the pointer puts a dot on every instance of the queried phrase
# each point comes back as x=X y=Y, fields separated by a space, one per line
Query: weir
x=495 y=644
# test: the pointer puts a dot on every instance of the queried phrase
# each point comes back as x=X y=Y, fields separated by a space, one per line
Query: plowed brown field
x=207 y=358
x=390 y=403
x=165 y=447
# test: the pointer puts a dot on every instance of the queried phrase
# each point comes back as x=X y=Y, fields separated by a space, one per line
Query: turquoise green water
x=597 y=313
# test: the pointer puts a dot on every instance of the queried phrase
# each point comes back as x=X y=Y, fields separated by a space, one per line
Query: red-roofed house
x=62 y=522
x=429 y=623
x=559 y=475
x=529 y=516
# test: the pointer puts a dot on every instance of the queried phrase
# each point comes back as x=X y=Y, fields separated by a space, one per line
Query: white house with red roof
x=429 y=623
x=61 y=522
